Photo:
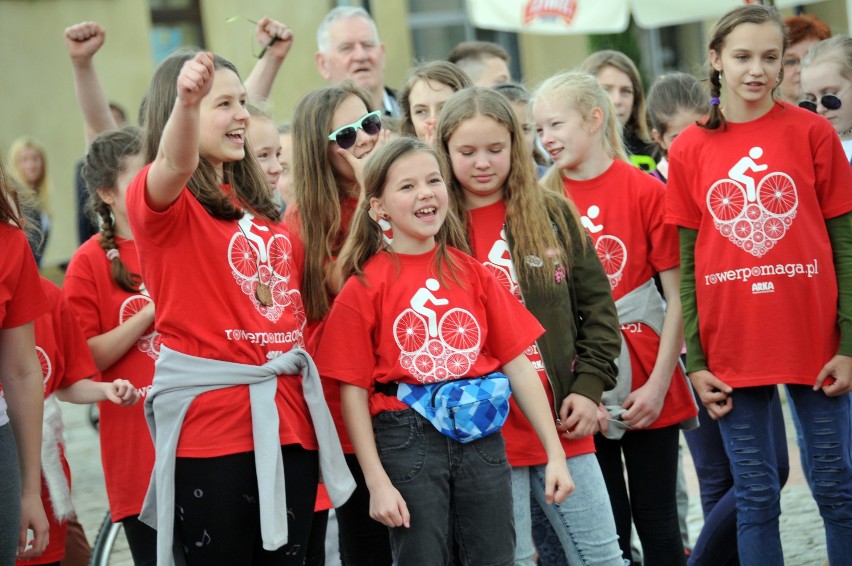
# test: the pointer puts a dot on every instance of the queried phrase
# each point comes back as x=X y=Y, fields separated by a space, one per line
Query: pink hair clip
x=112 y=254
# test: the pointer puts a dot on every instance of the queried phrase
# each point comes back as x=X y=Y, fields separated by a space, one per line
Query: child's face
x=567 y=137
x=224 y=120
x=285 y=181
x=522 y=112
x=750 y=62
x=425 y=101
x=267 y=149
x=825 y=78
x=350 y=111
x=619 y=88
x=414 y=200
x=677 y=123
x=480 y=152
x=30 y=164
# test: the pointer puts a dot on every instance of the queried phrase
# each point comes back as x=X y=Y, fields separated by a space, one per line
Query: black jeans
x=651 y=460
x=217 y=514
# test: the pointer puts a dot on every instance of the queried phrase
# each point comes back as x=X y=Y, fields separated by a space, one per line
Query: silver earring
x=720 y=76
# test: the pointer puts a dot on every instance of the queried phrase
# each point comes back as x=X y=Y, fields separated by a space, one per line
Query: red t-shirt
x=202 y=273
x=759 y=193
x=623 y=210
x=405 y=325
x=489 y=246
x=65 y=359
x=21 y=297
x=127 y=453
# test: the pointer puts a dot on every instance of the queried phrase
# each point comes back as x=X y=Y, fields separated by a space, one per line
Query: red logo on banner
x=564 y=9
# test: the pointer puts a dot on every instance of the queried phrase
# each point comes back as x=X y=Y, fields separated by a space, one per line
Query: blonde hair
x=529 y=212
x=837 y=49
x=442 y=72
x=318 y=195
x=595 y=62
x=581 y=92
x=367 y=238
x=42 y=188
x=750 y=14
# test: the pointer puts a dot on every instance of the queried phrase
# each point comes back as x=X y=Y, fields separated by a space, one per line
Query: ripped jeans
x=750 y=444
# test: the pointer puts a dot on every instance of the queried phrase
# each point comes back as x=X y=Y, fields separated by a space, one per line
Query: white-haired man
x=348 y=47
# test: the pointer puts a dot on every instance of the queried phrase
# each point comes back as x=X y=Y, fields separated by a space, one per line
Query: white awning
x=558 y=17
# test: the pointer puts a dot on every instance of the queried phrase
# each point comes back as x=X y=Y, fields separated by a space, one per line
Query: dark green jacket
x=582 y=336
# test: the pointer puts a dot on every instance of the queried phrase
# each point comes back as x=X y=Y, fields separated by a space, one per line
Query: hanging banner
x=559 y=17
x=552 y=17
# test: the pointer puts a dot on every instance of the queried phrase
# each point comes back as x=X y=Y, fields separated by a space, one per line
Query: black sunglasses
x=829 y=102
x=345 y=136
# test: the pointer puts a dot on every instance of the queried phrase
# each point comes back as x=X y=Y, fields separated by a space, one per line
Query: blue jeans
x=717 y=542
x=751 y=446
x=583 y=522
x=449 y=488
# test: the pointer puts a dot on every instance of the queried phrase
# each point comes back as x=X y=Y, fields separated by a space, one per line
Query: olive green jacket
x=582 y=336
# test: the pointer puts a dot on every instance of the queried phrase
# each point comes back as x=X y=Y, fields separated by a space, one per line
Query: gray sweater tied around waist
x=178 y=380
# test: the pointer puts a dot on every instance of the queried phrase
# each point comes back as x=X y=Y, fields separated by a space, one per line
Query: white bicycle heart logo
x=755 y=218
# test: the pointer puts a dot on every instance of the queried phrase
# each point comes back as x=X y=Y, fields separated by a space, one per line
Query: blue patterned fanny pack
x=464 y=409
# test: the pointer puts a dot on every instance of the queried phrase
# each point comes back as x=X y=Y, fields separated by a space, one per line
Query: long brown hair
x=245 y=176
x=367 y=238
x=750 y=14
x=530 y=213
x=105 y=161
x=318 y=193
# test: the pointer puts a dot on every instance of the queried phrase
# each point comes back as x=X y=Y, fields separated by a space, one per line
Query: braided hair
x=105 y=160
x=749 y=14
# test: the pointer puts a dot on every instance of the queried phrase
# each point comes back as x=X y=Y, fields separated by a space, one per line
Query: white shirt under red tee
x=127 y=453
x=758 y=193
x=623 y=210
x=404 y=323
x=202 y=273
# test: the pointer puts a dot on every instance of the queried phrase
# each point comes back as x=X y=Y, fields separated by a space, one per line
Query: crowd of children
x=475 y=332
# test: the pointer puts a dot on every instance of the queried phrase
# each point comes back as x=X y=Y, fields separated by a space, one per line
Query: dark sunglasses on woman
x=345 y=136
x=829 y=102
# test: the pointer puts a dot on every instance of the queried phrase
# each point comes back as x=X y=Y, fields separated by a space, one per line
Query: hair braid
x=715 y=119
x=123 y=277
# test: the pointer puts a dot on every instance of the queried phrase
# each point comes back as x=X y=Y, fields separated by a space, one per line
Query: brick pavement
x=801 y=526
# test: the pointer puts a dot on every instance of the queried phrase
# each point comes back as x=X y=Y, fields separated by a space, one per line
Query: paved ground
x=801 y=526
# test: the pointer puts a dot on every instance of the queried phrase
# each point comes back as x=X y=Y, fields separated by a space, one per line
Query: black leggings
x=651 y=460
x=142 y=541
x=217 y=515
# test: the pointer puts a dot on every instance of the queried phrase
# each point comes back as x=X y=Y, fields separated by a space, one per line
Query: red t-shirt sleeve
x=145 y=222
x=663 y=239
x=681 y=207
x=346 y=351
x=21 y=297
x=79 y=363
x=80 y=290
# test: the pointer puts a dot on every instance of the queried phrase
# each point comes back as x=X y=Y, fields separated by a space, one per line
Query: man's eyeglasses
x=829 y=102
x=345 y=136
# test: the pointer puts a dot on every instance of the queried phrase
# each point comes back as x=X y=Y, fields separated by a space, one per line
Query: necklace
x=845 y=133
x=262 y=292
